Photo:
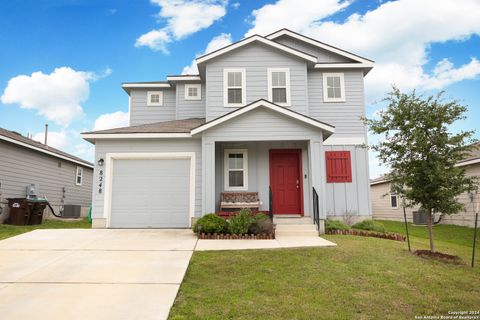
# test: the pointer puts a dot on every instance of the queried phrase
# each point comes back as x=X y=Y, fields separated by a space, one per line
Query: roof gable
x=321 y=45
x=256 y=38
x=329 y=129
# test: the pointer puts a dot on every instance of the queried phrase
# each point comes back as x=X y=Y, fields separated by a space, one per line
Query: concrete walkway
x=92 y=274
x=106 y=273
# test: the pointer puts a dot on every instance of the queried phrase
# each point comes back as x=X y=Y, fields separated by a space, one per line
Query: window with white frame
x=279 y=86
x=79 y=176
x=236 y=169
x=193 y=91
x=234 y=83
x=393 y=201
x=154 y=98
x=333 y=87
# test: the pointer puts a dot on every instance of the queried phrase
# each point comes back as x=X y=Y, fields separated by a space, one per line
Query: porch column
x=208 y=176
x=317 y=169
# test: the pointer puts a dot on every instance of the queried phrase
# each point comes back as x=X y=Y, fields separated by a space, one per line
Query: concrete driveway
x=92 y=274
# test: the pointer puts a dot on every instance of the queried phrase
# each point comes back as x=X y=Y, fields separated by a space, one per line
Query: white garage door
x=150 y=193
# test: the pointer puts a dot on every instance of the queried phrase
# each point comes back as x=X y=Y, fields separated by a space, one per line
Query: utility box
x=420 y=217
x=71 y=211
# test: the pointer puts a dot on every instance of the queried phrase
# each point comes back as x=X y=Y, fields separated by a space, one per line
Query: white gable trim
x=319 y=45
x=266 y=104
x=92 y=136
x=145 y=85
x=258 y=38
x=343 y=65
x=53 y=154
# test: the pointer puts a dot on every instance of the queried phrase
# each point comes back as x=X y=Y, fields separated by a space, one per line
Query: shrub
x=331 y=224
x=240 y=222
x=211 y=223
x=261 y=224
x=370 y=225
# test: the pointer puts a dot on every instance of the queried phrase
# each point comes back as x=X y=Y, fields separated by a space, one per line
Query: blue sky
x=96 y=45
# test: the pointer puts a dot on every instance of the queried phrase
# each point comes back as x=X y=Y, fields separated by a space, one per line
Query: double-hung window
x=393 y=201
x=154 y=98
x=234 y=83
x=333 y=87
x=236 y=169
x=79 y=176
x=279 y=86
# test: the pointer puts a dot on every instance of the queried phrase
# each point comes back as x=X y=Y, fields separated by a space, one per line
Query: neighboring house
x=388 y=206
x=282 y=111
x=62 y=178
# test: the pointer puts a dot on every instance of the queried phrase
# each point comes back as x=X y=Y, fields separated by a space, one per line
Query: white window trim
x=287 y=85
x=160 y=100
x=390 y=199
x=79 y=175
x=342 y=87
x=225 y=87
x=199 y=91
x=245 y=170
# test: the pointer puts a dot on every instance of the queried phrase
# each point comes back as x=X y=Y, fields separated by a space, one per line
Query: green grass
x=7 y=231
x=361 y=278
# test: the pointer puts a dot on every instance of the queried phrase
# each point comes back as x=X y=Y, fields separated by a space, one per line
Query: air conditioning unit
x=420 y=217
x=71 y=211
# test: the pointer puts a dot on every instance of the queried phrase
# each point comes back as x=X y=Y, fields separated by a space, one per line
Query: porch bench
x=239 y=200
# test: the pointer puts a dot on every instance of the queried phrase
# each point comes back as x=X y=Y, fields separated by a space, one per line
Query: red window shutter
x=339 y=166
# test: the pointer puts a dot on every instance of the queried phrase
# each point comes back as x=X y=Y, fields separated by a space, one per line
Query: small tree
x=422 y=153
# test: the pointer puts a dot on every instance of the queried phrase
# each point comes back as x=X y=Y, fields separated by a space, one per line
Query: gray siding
x=350 y=198
x=140 y=113
x=323 y=56
x=262 y=124
x=148 y=145
x=345 y=116
x=20 y=167
x=189 y=108
x=256 y=59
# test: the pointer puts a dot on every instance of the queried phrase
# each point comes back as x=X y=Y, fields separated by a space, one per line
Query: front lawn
x=7 y=231
x=362 y=278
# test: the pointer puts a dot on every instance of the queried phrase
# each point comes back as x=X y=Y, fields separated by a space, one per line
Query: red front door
x=286 y=181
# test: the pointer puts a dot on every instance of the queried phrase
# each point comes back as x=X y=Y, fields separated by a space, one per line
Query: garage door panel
x=150 y=193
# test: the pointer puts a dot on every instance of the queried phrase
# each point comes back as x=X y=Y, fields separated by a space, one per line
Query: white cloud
x=216 y=43
x=56 y=139
x=56 y=96
x=183 y=18
x=84 y=150
x=111 y=120
x=397 y=35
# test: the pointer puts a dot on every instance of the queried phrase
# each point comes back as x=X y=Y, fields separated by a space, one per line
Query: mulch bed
x=221 y=236
x=438 y=256
x=365 y=233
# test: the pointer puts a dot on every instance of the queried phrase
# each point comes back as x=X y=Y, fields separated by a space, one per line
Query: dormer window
x=193 y=92
x=154 y=98
x=234 y=83
x=279 y=86
x=333 y=87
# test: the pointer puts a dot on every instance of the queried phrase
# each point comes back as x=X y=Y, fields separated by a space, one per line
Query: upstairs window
x=193 y=92
x=333 y=87
x=279 y=86
x=339 y=166
x=234 y=87
x=154 y=98
x=236 y=170
x=79 y=176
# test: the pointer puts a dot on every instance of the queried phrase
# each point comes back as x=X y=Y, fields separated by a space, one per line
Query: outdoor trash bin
x=36 y=212
x=20 y=209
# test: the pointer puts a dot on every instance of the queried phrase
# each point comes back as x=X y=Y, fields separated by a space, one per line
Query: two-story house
x=281 y=112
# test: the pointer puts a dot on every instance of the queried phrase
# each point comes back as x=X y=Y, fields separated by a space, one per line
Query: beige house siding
x=381 y=208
